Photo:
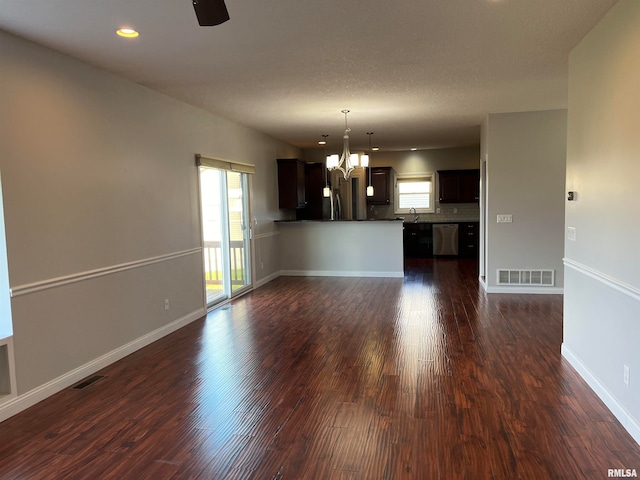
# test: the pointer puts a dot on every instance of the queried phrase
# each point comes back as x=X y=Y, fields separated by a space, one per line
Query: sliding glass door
x=238 y=230
x=224 y=197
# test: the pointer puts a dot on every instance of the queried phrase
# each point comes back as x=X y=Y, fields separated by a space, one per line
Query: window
x=414 y=191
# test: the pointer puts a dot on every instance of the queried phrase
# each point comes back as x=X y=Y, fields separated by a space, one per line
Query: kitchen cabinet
x=291 y=183
x=300 y=187
x=382 y=182
x=448 y=186
x=417 y=238
x=469 y=181
x=313 y=183
x=468 y=239
x=459 y=186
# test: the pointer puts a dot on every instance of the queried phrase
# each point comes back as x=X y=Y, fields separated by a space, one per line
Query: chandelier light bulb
x=369 y=187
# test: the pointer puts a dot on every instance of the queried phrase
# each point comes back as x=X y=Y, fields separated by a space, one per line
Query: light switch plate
x=505 y=218
x=571 y=233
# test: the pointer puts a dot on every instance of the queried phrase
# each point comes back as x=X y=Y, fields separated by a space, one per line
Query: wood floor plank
x=421 y=378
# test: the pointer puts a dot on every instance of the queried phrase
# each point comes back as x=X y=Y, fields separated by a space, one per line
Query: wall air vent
x=535 y=278
x=87 y=382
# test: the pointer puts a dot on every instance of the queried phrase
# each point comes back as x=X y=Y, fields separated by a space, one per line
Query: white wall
x=342 y=248
x=98 y=173
x=602 y=287
x=526 y=160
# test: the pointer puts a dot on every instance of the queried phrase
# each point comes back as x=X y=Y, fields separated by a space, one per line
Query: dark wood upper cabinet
x=314 y=183
x=470 y=186
x=300 y=187
x=448 y=182
x=381 y=180
x=291 y=183
x=459 y=186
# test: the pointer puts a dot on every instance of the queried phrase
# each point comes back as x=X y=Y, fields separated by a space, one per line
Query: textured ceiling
x=418 y=73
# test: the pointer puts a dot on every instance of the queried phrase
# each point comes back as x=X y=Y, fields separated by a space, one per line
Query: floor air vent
x=534 y=278
x=87 y=382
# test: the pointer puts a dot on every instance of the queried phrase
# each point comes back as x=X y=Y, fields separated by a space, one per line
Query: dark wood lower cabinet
x=418 y=240
x=468 y=239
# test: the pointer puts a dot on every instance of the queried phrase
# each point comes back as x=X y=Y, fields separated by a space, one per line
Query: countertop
x=434 y=222
x=387 y=220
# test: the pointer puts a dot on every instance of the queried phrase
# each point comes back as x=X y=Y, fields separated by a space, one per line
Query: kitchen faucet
x=415 y=213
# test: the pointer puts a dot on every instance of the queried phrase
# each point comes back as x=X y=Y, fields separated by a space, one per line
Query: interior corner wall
x=526 y=161
x=602 y=287
x=99 y=173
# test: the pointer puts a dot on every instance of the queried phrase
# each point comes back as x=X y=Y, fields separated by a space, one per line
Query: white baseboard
x=339 y=273
x=267 y=279
x=525 y=290
x=22 y=402
x=630 y=424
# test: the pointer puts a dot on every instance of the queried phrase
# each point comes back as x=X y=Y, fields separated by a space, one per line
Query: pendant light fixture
x=369 y=186
x=326 y=191
x=347 y=161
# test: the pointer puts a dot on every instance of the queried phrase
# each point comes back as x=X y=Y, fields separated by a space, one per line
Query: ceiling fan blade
x=210 y=12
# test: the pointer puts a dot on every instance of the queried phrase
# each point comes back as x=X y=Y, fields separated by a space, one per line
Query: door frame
x=250 y=250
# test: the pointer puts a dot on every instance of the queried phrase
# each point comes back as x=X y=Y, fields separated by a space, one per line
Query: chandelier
x=347 y=161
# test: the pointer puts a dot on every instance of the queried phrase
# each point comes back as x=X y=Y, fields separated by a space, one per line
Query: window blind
x=204 y=161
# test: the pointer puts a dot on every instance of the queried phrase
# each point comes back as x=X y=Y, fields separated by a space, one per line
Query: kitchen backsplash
x=451 y=212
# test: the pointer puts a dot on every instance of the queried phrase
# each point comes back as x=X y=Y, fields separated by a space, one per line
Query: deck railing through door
x=213 y=262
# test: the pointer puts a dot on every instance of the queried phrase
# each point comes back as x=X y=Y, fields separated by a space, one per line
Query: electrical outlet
x=626 y=375
x=505 y=218
x=455 y=210
x=166 y=304
x=571 y=233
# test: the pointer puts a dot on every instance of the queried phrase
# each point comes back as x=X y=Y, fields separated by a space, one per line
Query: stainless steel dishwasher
x=445 y=239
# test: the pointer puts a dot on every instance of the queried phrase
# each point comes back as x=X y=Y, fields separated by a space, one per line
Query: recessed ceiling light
x=127 y=32
x=414 y=149
x=375 y=149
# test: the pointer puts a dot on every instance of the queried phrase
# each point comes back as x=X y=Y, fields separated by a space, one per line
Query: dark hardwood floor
x=337 y=378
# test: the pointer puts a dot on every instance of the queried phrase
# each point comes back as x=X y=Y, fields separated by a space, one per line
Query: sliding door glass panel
x=213 y=213
x=224 y=197
x=238 y=231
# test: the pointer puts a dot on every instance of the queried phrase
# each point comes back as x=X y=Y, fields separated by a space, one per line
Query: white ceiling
x=418 y=73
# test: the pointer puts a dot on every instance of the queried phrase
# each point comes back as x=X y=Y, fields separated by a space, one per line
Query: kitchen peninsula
x=341 y=248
